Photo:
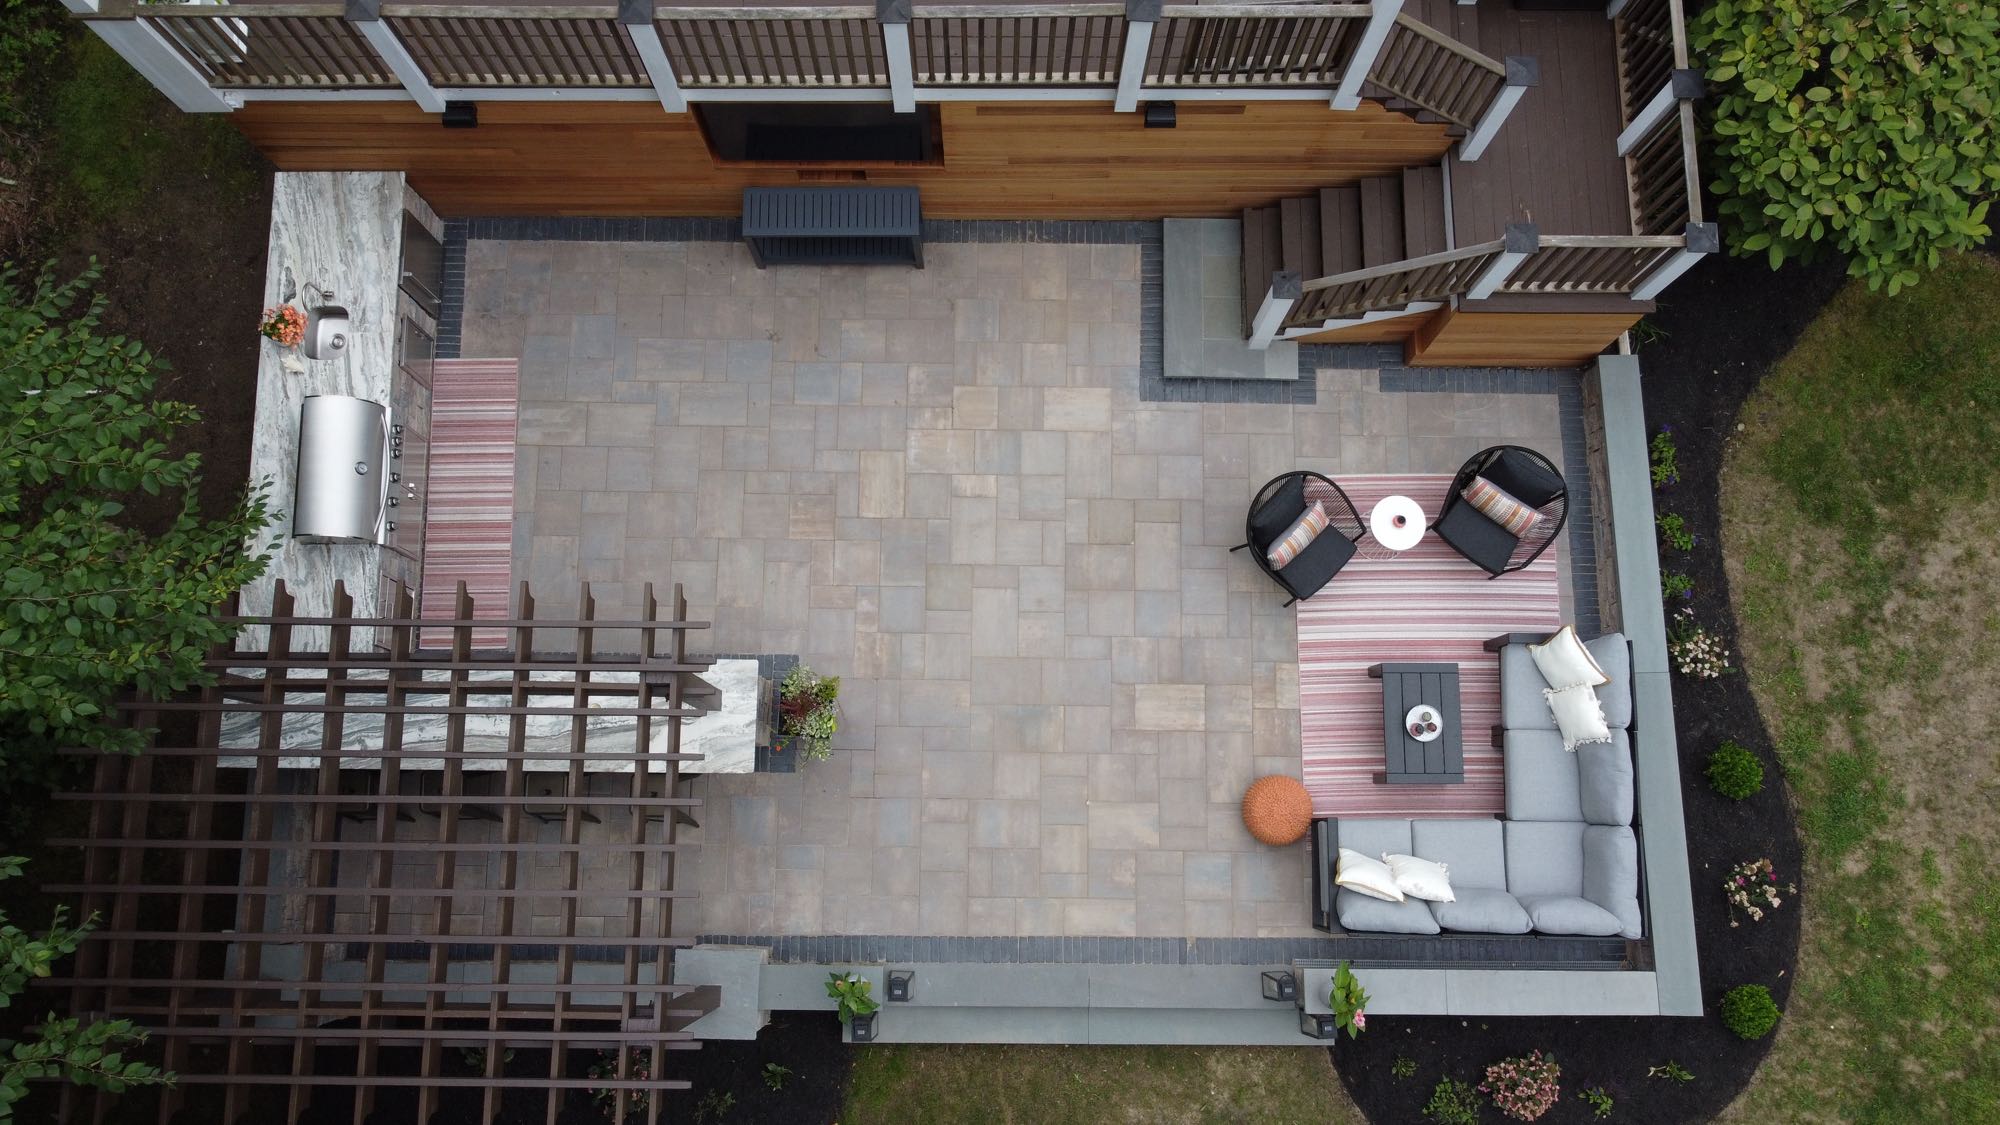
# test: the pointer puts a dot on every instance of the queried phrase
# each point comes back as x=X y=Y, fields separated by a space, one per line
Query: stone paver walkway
x=941 y=485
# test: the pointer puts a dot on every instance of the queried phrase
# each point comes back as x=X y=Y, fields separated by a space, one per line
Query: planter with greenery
x=1347 y=999
x=808 y=712
x=856 y=1007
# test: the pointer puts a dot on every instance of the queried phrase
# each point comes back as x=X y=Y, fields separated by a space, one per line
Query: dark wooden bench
x=833 y=226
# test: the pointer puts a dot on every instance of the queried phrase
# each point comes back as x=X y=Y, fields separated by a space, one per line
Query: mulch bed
x=1727 y=322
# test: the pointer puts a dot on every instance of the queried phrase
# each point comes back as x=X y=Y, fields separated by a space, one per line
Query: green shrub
x=1749 y=1011
x=1454 y=1103
x=1866 y=125
x=1735 y=772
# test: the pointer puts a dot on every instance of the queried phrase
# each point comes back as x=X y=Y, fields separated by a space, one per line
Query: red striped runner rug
x=469 y=533
x=1426 y=604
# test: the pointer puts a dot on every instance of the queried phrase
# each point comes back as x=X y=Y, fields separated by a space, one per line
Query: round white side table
x=1396 y=522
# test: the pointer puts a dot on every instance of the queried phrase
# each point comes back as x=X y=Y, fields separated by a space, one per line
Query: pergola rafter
x=264 y=891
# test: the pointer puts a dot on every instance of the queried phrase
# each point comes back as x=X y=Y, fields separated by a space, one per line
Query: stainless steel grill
x=344 y=474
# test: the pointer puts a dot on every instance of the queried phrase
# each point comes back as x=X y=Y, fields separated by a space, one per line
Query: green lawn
x=909 y=1085
x=1862 y=532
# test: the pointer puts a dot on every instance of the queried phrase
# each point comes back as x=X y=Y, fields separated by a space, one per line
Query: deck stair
x=1375 y=222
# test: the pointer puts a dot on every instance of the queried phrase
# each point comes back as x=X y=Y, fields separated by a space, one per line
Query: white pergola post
x=894 y=16
x=366 y=16
x=637 y=18
x=1140 y=16
x=156 y=59
x=1381 y=20
x=1682 y=85
x=1700 y=240
x=1522 y=240
x=1522 y=72
x=1269 y=323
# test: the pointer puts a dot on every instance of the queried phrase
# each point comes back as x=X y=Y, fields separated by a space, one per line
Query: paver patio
x=944 y=487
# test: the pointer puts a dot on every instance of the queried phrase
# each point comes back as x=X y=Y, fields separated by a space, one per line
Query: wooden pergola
x=410 y=911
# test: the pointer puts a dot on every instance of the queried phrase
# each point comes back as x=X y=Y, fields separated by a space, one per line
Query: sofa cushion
x=1544 y=858
x=1317 y=564
x=1482 y=910
x=1359 y=912
x=1365 y=875
x=1479 y=539
x=1611 y=874
x=1522 y=706
x=1278 y=512
x=1579 y=716
x=1373 y=836
x=1542 y=777
x=1475 y=850
x=1495 y=504
x=1604 y=781
x=1524 y=478
x=1564 y=661
x=1615 y=694
x=1568 y=914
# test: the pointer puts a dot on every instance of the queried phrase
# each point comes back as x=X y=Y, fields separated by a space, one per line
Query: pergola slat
x=296 y=835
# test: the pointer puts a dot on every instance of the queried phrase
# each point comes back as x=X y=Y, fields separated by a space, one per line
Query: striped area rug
x=1426 y=604
x=469 y=533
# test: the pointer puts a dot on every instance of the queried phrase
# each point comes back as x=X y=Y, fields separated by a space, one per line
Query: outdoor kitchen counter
x=340 y=232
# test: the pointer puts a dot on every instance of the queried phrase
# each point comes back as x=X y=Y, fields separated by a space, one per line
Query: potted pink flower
x=285 y=324
x=1347 y=999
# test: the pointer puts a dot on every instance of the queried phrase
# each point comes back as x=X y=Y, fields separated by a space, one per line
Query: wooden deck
x=1555 y=161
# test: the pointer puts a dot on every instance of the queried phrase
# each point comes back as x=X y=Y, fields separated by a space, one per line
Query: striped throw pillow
x=1495 y=505
x=1303 y=531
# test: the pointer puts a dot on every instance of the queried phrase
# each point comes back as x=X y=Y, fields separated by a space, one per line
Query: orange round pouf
x=1277 y=810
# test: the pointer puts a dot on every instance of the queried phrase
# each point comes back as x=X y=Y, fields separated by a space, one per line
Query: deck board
x=1554 y=162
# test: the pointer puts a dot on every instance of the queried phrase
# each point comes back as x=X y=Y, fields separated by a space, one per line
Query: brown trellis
x=262 y=902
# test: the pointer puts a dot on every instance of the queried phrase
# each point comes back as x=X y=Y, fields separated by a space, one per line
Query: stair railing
x=1657 y=90
x=1427 y=68
x=1524 y=263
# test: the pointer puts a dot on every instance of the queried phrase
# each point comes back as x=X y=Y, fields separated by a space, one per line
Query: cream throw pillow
x=1579 y=715
x=1362 y=875
x=1564 y=662
x=1420 y=878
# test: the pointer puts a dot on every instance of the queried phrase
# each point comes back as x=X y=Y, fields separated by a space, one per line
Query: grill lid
x=343 y=469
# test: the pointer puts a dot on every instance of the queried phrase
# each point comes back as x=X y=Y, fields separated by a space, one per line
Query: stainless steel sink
x=326 y=331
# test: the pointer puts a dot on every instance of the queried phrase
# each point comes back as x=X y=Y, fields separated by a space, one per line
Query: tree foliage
x=89 y=604
x=1867 y=125
x=69 y=1049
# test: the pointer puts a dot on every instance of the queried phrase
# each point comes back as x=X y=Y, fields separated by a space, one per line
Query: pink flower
x=1361 y=1021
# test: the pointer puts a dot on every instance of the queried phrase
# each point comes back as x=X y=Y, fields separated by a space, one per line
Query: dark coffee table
x=1440 y=761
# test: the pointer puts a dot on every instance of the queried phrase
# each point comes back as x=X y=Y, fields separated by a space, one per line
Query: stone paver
x=941 y=485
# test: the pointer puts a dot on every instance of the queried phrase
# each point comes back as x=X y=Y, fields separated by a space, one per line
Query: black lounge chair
x=1278 y=505
x=1525 y=475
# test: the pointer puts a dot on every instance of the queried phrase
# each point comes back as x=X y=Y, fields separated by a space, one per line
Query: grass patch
x=114 y=140
x=1037 y=1085
x=1858 y=523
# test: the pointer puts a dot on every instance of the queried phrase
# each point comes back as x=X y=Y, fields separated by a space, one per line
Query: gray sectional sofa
x=1563 y=860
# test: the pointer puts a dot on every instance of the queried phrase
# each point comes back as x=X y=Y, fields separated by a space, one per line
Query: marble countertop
x=339 y=232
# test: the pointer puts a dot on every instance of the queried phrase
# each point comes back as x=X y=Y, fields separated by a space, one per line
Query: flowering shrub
x=1753 y=888
x=1523 y=1088
x=1735 y=772
x=1665 y=471
x=1347 y=998
x=1696 y=651
x=1749 y=1011
x=284 y=324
